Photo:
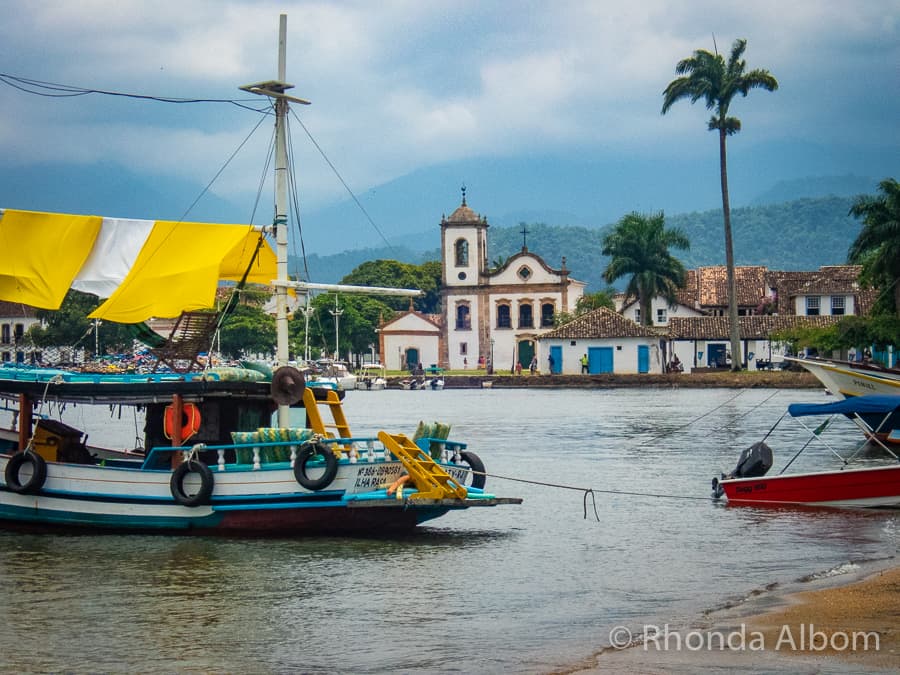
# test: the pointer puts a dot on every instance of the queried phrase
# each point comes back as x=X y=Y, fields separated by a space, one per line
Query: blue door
x=556 y=355
x=412 y=358
x=643 y=359
x=716 y=356
x=600 y=360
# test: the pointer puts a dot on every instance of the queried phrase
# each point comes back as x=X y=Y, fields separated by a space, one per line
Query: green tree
x=591 y=301
x=247 y=330
x=707 y=76
x=639 y=246
x=877 y=247
x=394 y=274
x=587 y=303
x=851 y=332
x=69 y=326
x=359 y=316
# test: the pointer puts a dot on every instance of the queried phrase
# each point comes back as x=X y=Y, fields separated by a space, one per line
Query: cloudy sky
x=401 y=85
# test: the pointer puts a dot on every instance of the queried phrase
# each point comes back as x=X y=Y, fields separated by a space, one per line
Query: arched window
x=503 y=317
x=463 y=319
x=547 y=315
x=526 y=315
x=462 y=253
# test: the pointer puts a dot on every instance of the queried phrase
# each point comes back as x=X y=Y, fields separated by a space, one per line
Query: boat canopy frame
x=853 y=408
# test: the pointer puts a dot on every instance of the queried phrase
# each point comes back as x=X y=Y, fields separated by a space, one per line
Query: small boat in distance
x=857 y=485
x=371 y=377
x=335 y=372
x=851 y=378
x=219 y=453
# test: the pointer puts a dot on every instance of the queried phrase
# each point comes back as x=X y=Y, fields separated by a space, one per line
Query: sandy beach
x=848 y=628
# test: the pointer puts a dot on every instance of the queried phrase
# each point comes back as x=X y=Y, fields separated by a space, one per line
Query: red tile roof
x=602 y=323
x=752 y=327
x=14 y=310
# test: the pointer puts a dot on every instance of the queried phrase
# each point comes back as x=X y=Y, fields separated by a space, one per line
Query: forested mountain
x=798 y=235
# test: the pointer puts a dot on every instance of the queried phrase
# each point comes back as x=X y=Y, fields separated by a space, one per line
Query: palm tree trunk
x=733 y=325
x=646 y=305
x=897 y=296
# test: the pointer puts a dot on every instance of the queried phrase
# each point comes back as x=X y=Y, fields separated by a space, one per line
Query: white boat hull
x=844 y=380
x=243 y=500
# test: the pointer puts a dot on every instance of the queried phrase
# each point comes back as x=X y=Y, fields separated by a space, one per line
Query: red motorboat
x=865 y=486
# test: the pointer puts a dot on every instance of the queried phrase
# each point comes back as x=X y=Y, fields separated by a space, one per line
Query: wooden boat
x=868 y=486
x=852 y=378
x=212 y=461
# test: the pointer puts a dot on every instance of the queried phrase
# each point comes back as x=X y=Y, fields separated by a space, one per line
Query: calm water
x=523 y=589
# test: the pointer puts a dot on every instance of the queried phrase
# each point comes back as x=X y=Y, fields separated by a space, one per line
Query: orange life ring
x=190 y=421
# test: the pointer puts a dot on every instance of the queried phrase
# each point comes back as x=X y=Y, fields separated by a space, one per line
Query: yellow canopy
x=179 y=267
x=157 y=269
x=42 y=253
x=237 y=262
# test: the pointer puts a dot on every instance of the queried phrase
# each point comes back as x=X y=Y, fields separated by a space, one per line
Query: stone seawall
x=742 y=380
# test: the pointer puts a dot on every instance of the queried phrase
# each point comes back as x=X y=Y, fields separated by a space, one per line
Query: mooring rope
x=589 y=491
x=668 y=432
x=592 y=492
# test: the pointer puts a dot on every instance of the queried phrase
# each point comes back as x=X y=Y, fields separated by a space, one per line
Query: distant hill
x=798 y=235
x=822 y=186
x=585 y=189
x=567 y=201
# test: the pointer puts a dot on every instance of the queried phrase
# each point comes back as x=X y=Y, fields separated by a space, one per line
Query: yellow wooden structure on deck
x=431 y=481
x=316 y=423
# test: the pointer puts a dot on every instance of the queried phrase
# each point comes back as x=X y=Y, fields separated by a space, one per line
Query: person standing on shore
x=584 y=364
x=534 y=363
x=550 y=361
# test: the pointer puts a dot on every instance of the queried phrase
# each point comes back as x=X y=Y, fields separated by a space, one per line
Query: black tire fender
x=176 y=483
x=477 y=467
x=38 y=472
x=306 y=453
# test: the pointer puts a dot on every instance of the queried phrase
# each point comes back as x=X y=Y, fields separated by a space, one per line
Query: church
x=490 y=317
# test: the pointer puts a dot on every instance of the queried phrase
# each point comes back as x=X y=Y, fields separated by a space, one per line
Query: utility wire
x=344 y=183
x=222 y=168
x=54 y=90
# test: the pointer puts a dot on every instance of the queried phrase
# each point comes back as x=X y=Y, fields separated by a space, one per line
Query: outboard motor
x=754 y=462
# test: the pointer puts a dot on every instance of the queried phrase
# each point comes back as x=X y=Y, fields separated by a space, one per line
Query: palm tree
x=639 y=246
x=707 y=76
x=877 y=247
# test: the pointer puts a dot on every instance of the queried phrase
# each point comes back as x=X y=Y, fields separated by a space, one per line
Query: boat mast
x=280 y=221
x=275 y=90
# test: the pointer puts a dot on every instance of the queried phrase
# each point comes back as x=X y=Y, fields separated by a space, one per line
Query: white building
x=490 y=315
x=660 y=310
x=409 y=339
x=611 y=342
x=15 y=320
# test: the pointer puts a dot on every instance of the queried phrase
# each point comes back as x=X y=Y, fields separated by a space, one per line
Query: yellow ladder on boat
x=431 y=481
x=315 y=417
